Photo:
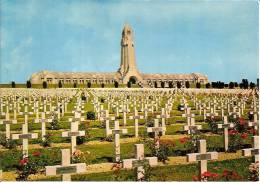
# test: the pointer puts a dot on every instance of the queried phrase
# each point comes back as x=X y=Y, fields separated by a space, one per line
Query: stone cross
x=73 y=133
x=163 y=116
x=15 y=111
x=43 y=122
x=222 y=107
x=188 y=115
x=156 y=130
x=116 y=131
x=146 y=110
x=136 y=117
x=124 y=110
x=139 y=161
x=203 y=156
x=7 y=123
x=66 y=168
x=36 y=110
x=204 y=107
x=106 y=118
x=225 y=126
x=253 y=124
x=253 y=151
x=212 y=113
x=191 y=127
x=25 y=136
x=26 y=113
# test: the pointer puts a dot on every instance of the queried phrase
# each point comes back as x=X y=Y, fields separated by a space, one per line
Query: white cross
x=66 y=168
x=116 y=131
x=203 y=156
x=191 y=127
x=156 y=130
x=106 y=118
x=253 y=151
x=25 y=136
x=225 y=127
x=7 y=123
x=43 y=121
x=139 y=161
x=136 y=117
x=73 y=133
x=163 y=116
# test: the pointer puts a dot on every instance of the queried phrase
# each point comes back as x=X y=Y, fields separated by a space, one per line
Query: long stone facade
x=128 y=71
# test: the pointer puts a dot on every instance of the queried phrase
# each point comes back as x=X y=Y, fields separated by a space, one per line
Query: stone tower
x=128 y=69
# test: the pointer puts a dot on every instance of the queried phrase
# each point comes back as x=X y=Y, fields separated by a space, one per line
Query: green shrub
x=91 y=115
x=80 y=140
x=7 y=143
x=47 y=142
x=55 y=124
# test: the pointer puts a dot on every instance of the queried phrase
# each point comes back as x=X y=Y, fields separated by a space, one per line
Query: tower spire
x=128 y=66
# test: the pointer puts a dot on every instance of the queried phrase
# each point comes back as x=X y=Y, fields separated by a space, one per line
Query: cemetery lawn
x=168 y=172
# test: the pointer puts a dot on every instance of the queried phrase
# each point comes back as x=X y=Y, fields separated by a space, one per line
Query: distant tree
x=44 y=84
x=235 y=84
x=257 y=82
x=170 y=85
x=226 y=85
x=252 y=85
x=240 y=85
x=197 y=85
x=245 y=83
x=162 y=84
x=129 y=84
x=89 y=85
x=231 y=85
x=28 y=84
x=60 y=84
x=187 y=84
x=178 y=84
x=208 y=85
x=116 y=84
x=13 y=84
x=213 y=84
x=102 y=85
x=155 y=84
x=74 y=85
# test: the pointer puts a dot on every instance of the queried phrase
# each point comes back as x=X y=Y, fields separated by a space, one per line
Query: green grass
x=169 y=173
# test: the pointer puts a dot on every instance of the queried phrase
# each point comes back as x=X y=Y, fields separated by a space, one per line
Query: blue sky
x=216 y=38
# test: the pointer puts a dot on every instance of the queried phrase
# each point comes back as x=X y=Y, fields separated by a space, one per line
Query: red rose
x=232 y=132
x=206 y=174
x=214 y=175
x=253 y=131
x=183 y=140
x=242 y=121
x=244 y=135
x=24 y=161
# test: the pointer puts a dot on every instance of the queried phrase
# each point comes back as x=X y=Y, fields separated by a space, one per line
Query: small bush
x=81 y=140
x=55 y=124
x=8 y=143
x=13 y=84
x=116 y=84
x=91 y=115
x=47 y=142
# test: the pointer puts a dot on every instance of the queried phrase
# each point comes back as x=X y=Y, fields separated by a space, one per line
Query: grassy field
x=171 y=173
x=97 y=151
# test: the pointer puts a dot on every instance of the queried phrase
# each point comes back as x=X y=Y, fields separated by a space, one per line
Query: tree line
x=244 y=84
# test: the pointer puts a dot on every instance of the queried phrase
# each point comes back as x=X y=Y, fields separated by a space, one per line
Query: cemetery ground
x=173 y=125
